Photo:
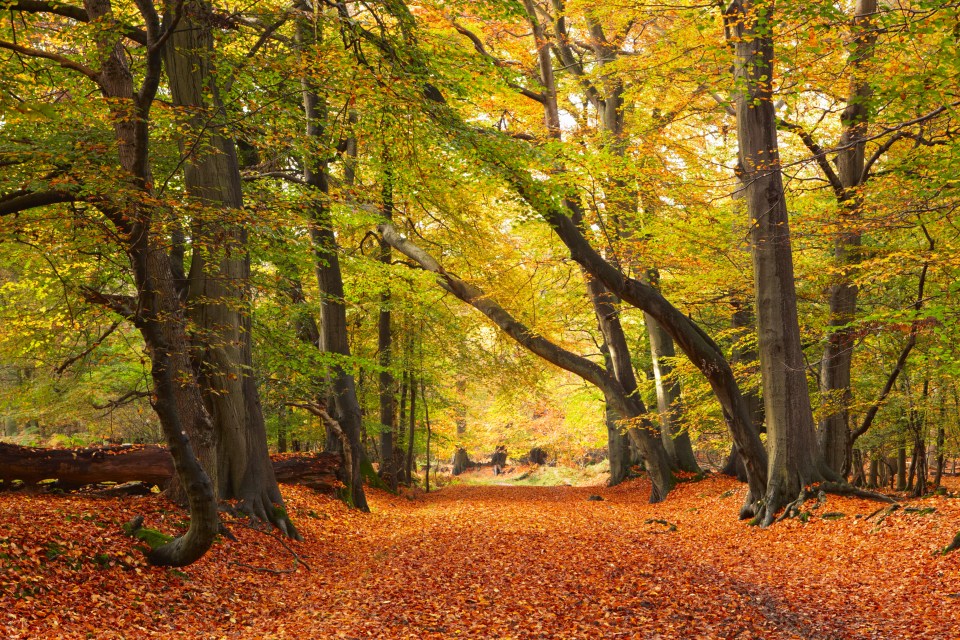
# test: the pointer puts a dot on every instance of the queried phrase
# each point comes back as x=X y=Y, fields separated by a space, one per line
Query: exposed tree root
x=262 y=507
x=819 y=491
x=297 y=560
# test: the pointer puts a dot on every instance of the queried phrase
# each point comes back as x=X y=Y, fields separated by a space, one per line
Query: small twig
x=296 y=558
x=264 y=569
x=63 y=367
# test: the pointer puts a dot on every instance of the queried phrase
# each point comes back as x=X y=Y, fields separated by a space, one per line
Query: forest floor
x=489 y=562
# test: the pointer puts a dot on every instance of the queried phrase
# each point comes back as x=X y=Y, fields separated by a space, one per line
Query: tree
x=217 y=286
x=156 y=309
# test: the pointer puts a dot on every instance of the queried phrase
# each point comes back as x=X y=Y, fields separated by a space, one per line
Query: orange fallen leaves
x=488 y=562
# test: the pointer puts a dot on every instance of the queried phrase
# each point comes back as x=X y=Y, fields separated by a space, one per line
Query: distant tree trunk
x=673 y=432
x=388 y=404
x=858 y=478
x=402 y=475
x=918 y=426
x=426 y=420
x=941 y=437
x=413 y=424
x=794 y=459
x=902 y=465
x=874 y=480
x=333 y=316
x=834 y=431
x=460 y=407
x=282 y=431
x=219 y=280
x=461 y=461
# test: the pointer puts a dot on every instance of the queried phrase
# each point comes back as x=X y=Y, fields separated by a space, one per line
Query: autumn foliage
x=489 y=562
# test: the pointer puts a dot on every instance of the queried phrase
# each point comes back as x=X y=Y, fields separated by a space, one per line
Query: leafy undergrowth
x=489 y=562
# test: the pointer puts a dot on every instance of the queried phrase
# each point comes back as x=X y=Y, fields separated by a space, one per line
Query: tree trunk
x=676 y=440
x=158 y=313
x=834 y=431
x=413 y=424
x=333 y=315
x=618 y=449
x=402 y=476
x=219 y=280
x=874 y=479
x=461 y=461
x=941 y=437
x=388 y=403
x=794 y=461
x=426 y=420
x=902 y=466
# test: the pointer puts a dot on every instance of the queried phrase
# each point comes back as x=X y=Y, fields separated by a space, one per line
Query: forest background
x=328 y=225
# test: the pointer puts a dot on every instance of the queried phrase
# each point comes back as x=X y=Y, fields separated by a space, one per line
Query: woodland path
x=506 y=562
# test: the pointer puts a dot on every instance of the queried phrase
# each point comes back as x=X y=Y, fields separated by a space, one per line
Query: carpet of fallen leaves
x=488 y=562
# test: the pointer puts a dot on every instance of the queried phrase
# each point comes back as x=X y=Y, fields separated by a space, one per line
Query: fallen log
x=150 y=464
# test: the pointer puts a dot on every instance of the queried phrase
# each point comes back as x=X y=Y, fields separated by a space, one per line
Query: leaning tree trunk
x=626 y=406
x=219 y=279
x=794 y=459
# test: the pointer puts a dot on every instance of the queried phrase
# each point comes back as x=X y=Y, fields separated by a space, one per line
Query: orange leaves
x=488 y=562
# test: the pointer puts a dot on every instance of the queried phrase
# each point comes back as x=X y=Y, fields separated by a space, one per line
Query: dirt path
x=504 y=562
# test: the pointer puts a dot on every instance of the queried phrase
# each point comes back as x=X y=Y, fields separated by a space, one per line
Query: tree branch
x=69 y=361
x=899 y=135
x=74 y=13
x=497 y=62
x=64 y=62
x=819 y=155
x=22 y=200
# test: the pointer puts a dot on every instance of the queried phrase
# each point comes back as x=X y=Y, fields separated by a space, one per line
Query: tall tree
x=218 y=283
x=133 y=211
x=795 y=461
x=333 y=314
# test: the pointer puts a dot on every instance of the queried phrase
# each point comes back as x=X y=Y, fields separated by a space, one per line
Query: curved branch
x=74 y=13
x=63 y=61
x=19 y=201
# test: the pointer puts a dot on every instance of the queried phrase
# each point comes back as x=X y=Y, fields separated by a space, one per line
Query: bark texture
x=219 y=277
x=794 y=459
